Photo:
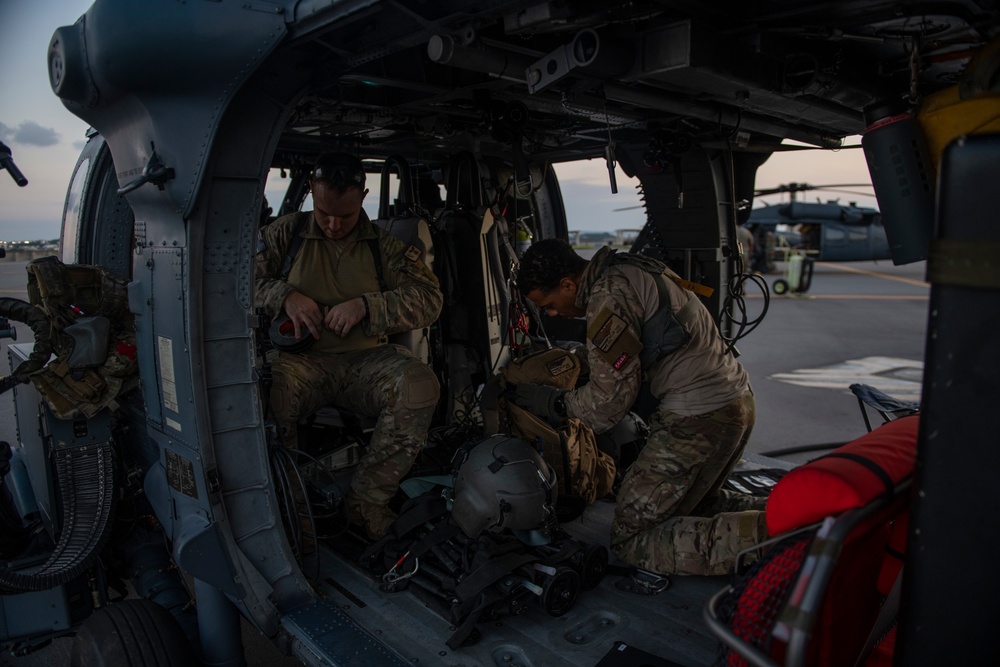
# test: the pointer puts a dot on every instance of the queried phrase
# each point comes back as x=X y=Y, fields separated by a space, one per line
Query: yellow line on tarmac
x=13 y=291
x=854 y=269
x=901 y=297
x=898 y=297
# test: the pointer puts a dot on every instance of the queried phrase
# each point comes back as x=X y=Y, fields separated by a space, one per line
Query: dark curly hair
x=545 y=263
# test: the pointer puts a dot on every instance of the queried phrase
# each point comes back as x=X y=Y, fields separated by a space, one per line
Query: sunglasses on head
x=338 y=172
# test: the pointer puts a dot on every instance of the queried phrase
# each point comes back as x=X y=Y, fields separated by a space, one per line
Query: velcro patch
x=557 y=367
x=609 y=332
x=613 y=341
x=412 y=253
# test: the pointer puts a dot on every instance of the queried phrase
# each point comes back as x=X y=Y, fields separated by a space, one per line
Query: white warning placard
x=168 y=384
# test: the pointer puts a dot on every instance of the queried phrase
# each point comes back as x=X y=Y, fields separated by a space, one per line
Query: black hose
x=34 y=317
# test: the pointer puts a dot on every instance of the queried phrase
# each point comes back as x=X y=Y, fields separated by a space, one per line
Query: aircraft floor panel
x=668 y=624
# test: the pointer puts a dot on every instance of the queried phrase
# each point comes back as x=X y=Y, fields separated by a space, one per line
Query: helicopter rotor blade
x=848 y=192
x=768 y=148
x=803 y=187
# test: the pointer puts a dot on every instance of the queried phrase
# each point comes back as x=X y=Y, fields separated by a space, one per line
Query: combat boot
x=375 y=519
x=752 y=530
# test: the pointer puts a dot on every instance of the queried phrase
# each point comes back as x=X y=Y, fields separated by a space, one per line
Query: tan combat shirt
x=334 y=271
x=697 y=378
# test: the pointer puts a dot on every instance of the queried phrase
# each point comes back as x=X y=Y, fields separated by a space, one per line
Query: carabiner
x=391 y=577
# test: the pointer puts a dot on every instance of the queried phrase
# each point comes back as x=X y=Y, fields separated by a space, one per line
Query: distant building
x=25 y=251
x=626 y=236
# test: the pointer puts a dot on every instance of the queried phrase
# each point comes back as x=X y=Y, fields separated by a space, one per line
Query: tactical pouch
x=86 y=385
x=556 y=367
x=571 y=450
x=585 y=473
x=92 y=336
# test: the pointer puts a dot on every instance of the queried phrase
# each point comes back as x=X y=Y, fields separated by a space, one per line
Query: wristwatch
x=559 y=407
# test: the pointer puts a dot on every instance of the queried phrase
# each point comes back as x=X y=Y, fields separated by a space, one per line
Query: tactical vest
x=92 y=336
x=664 y=332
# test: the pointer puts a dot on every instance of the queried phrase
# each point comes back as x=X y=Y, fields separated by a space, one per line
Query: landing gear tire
x=560 y=591
x=132 y=632
x=594 y=566
x=780 y=286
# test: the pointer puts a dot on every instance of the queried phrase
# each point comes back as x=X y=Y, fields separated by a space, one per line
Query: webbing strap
x=875 y=468
x=377 y=258
x=566 y=551
x=419 y=511
x=441 y=533
x=465 y=629
x=491 y=571
x=886 y=617
x=293 y=247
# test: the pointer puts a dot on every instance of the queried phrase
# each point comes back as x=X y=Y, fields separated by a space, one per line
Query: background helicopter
x=830 y=232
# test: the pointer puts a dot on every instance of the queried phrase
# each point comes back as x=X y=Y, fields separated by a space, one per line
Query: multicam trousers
x=385 y=381
x=672 y=517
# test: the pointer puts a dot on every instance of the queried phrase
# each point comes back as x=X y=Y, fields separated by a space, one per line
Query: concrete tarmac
x=858 y=322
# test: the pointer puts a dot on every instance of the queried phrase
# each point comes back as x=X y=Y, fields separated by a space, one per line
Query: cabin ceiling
x=560 y=80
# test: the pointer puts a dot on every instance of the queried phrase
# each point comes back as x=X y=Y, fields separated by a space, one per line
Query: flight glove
x=541 y=400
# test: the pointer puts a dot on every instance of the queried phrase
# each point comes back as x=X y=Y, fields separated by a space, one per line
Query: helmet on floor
x=503 y=484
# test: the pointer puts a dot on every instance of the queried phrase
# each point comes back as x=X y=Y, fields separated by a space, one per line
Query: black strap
x=377 y=257
x=417 y=512
x=484 y=601
x=293 y=247
x=491 y=571
x=566 y=551
x=878 y=470
x=884 y=621
x=439 y=535
x=564 y=450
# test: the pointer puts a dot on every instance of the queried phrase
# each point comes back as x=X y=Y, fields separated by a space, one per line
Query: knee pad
x=419 y=387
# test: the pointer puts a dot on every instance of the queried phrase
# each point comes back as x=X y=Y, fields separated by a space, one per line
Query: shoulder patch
x=412 y=253
x=608 y=333
x=612 y=339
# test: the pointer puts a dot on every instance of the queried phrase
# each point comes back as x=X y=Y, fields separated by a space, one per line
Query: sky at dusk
x=45 y=140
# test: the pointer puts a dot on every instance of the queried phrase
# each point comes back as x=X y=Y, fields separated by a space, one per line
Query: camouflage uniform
x=361 y=372
x=671 y=515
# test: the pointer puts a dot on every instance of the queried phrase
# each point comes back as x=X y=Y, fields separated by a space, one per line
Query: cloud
x=33 y=134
